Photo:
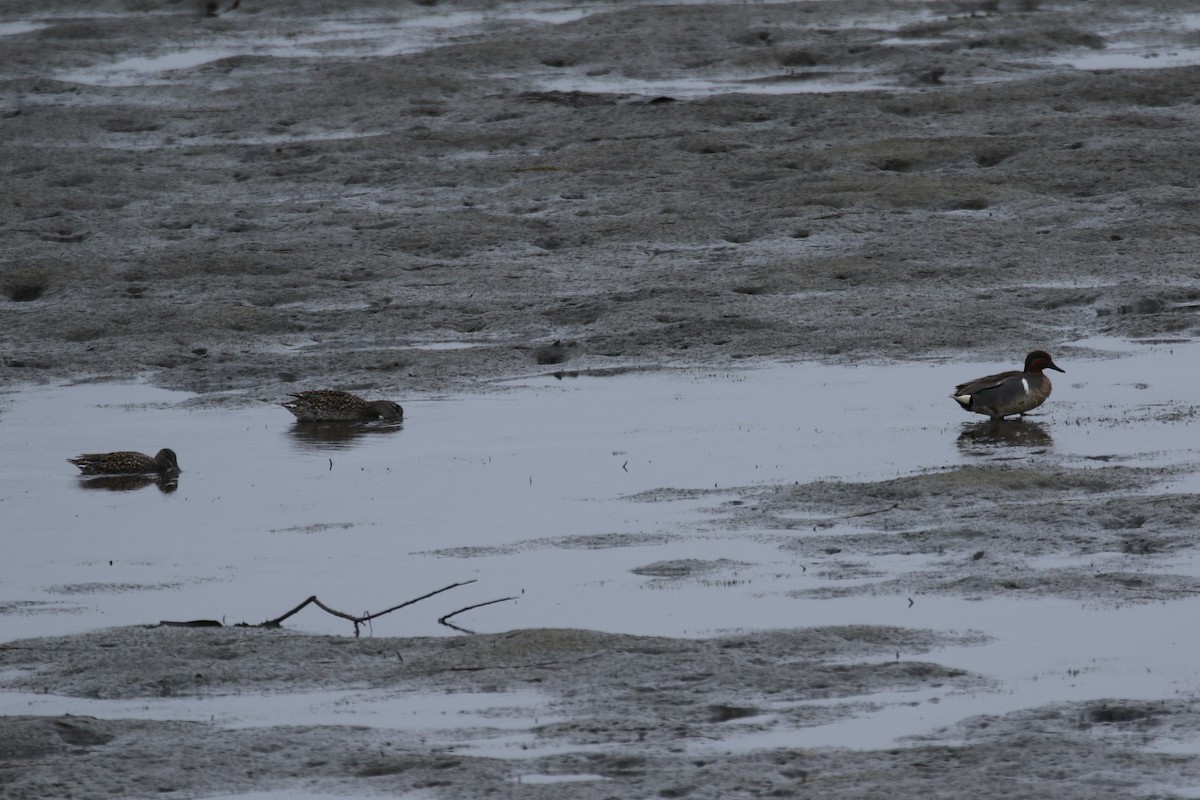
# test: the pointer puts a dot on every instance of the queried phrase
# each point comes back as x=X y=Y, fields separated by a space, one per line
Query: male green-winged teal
x=998 y=396
x=331 y=405
x=127 y=462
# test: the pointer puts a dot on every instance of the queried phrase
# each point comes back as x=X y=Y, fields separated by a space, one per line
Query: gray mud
x=254 y=221
x=983 y=530
x=259 y=223
x=644 y=716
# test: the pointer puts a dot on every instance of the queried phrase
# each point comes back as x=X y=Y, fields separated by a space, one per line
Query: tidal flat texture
x=427 y=197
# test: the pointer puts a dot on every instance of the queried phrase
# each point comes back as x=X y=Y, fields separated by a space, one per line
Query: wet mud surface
x=983 y=531
x=309 y=199
x=254 y=221
x=653 y=719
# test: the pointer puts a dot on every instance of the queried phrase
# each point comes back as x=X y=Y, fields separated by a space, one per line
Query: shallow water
x=526 y=489
x=539 y=491
x=1131 y=55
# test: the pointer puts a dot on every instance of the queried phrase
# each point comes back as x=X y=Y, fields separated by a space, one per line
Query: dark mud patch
x=686 y=568
x=99 y=588
x=1129 y=722
x=982 y=578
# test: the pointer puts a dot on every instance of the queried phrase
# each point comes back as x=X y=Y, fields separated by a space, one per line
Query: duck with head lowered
x=332 y=405
x=1007 y=393
x=128 y=462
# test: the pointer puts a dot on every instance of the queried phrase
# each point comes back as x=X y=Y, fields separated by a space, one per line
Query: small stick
x=870 y=513
x=370 y=617
x=358 y=621
x=275 y=623
x=442 y=620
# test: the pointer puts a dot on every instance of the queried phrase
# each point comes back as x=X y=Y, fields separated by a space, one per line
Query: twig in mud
x=360 y=620
x=278 y=621
x=442 y=620
x=892 y=507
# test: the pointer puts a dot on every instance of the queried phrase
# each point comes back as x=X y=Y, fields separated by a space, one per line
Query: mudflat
x=427 y=197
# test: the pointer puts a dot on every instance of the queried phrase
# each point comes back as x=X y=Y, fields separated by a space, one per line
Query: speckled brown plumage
x=127 y=462
x=331 y=405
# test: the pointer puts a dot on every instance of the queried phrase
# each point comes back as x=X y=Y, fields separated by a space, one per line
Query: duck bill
x=1056 y=368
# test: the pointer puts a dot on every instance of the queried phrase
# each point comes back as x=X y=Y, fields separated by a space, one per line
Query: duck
x=127 y=462
x=1006 y=393
x=332 y=405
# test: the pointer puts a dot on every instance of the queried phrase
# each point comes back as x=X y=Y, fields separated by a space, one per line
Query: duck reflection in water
x=127 y=483
x=339 y=435
x=1005 y=433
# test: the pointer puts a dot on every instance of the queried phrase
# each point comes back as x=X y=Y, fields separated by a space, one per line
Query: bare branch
x=358 y=621
x=370 y=617
x=442 y=620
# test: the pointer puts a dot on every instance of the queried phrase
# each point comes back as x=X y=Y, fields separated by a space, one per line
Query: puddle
x=543 y=779
x=556 y=491
x=794 y=83
x=17 y=28
x=1132 y=56
x=1159 y=42
x=449 y=345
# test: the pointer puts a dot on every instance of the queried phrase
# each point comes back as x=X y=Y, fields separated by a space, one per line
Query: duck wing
x=983 y=384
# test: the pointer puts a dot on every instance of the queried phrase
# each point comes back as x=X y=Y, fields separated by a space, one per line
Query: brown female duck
x=127 y=462
x=331 y=405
